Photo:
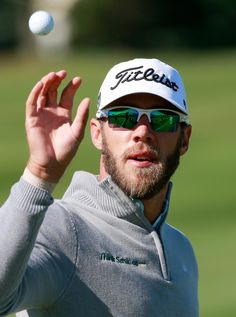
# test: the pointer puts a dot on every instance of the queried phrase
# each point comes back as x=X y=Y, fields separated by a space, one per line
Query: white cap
x=143 y=75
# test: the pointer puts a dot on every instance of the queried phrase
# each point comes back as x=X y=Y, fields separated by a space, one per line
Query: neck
x=153 y=206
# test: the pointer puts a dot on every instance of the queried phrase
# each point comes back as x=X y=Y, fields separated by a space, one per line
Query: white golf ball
x=41 y=23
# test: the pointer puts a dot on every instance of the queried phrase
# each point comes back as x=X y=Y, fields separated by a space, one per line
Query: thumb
x=81 y=118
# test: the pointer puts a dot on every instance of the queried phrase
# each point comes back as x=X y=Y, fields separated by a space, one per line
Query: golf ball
x=41 y=23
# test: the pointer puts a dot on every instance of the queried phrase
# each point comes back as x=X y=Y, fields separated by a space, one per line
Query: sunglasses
x=161 y=120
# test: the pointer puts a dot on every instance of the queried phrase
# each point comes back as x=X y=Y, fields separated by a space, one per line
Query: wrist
x=51 y=173
x=38 y=182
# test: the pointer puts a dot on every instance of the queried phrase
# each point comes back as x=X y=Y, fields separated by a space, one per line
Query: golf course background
x=203 y=197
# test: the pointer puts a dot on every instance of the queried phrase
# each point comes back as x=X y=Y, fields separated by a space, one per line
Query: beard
x=141 y=183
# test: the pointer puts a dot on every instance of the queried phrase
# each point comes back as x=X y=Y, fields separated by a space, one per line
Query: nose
x=143 y=131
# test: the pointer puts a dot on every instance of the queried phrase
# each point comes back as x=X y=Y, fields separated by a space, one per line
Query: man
x=104 y=249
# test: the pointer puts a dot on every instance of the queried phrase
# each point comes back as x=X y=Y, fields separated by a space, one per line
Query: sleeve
x=20 y=219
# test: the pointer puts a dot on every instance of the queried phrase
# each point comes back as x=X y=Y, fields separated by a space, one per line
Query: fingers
x=51 y=81
x=68 y=93
x=79 y=123
x=31 y=103
x=44 y=93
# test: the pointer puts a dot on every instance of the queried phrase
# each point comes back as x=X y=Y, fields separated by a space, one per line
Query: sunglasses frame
x=104 y=113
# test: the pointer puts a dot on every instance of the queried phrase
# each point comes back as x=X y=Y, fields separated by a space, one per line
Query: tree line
x=135 y=23
x=155 y=23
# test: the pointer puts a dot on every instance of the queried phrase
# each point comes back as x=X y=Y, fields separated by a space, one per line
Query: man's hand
x=53 y=138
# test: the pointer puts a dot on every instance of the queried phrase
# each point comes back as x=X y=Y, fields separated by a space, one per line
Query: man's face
x=140 y=160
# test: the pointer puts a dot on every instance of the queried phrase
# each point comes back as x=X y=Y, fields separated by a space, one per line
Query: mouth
x=142 y=159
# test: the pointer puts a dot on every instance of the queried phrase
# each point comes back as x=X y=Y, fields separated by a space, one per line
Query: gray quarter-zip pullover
x=93 y=253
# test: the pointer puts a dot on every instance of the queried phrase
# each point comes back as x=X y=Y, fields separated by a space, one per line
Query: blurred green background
x=203 y=199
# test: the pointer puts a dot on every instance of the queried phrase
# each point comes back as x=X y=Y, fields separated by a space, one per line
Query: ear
x=185 y=139
x=96 y=135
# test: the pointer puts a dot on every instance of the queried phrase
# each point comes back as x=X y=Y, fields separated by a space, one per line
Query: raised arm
x=53 y=138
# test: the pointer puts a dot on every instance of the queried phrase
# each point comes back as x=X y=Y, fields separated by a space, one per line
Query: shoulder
x=174 y=233
x=178 y=242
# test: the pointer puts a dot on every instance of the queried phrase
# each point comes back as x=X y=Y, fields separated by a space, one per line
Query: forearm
x=20 y=220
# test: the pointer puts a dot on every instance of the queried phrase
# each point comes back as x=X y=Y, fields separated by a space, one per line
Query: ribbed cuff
x=30 y=198
x=37 y=182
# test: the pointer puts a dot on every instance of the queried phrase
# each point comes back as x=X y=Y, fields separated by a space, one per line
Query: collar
x=161 y=218
x=107 y=197
x=128 y=202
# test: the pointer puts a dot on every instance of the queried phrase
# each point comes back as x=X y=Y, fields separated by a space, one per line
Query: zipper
x=156 y=238
x=161 y=254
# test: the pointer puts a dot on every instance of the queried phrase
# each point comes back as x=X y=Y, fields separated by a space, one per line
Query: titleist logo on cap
x=138 y=74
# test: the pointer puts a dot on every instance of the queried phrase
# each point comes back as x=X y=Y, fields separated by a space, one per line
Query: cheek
x=167 y=142
x=116 y=141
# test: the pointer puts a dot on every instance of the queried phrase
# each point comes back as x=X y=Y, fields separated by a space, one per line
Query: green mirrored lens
x=123 y=118
x=162 y=121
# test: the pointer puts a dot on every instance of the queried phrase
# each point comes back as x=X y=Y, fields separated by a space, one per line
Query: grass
x=203 y=204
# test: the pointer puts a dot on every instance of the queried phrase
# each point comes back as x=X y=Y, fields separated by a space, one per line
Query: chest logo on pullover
x=122 y=260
